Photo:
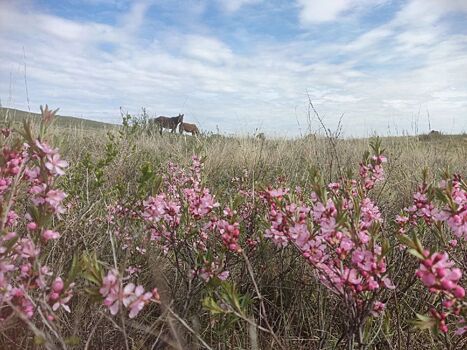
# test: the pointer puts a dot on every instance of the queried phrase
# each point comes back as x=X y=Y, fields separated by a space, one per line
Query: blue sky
x=242 y=65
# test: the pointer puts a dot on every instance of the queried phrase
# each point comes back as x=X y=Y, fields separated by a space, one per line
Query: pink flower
x=459 y=292
x=110 y=290
x=388 y=283
x=230 y=234
x=437 y=273
x=32 y=173
x=5 y=131
x=54 y=199
x=31 y=226
x=27 y=249
x=57 y=285
x=63 y=303
x=223 y=275
x=378 y=308
x=49 y=234
x=55 y=165
x=45 y=148
x=130 y=296
x=136 y=300
x=59 y=297
x=277 y=193
x=461 y=330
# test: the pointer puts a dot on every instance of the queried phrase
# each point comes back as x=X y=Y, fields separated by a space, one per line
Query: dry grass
x=301 y=312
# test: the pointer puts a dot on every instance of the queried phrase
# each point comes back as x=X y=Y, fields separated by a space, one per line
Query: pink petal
x=129 y=288
x=114 y=308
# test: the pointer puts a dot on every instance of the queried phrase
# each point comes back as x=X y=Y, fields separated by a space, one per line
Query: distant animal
x=433 y=134
x=187 y=127
x=261 y=136
x=167 y=122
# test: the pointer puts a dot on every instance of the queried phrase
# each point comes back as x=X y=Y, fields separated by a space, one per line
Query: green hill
x=11 y=115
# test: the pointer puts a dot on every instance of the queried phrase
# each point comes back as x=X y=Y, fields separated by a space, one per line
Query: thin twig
x=86 y=346
x=260 y=297
x=179 y=319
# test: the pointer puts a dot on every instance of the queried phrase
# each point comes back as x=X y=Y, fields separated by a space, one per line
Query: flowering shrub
x=182 y=220
x=29 y=201
x=338 y=233
x=443 y=210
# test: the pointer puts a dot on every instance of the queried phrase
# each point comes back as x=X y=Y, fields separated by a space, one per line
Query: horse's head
x=180 y=118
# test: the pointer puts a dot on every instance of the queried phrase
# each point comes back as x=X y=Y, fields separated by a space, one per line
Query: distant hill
x=16 y=115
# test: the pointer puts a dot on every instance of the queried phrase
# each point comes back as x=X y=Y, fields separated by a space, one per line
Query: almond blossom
x=55 y=165
x=336 y=231
x=25 y=281
x=129 y=296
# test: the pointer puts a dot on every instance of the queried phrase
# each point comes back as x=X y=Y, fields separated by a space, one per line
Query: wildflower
x=437 y=273
x=27 y=249
x=136 y=299
x=49 y=234
x=110 y=290
x=45 y=148
x=55 y=165
x=378 y=308
x=277 y=193
x=5 y=132
x=54 y=199
x=230 y=234
x=32 y=173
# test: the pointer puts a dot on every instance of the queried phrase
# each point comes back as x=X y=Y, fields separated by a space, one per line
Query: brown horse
x=167 y=123
x=187 y=127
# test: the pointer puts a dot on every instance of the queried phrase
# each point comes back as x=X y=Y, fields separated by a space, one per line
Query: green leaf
x=91 y=278
x=211 y=305
x=405 y=240
x=156 y=184
x=39 y=340
x=440 y=195
x=424 y=322
x=387 y=322
x=418 y=244
x=416 y=254
x=73 y=340
x=75 y=269
x=214 y=283
x=231 y=296
x=385 y=247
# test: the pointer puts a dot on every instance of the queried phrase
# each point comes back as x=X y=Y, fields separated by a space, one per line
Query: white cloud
x=235 y=5
x=383 y=76
x=133 y=20
x=313 y=11
x=206 y=49
x=369 y=39
x=322 y=11
x=426 y=12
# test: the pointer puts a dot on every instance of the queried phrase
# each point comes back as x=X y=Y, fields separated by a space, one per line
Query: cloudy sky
x=387 y=66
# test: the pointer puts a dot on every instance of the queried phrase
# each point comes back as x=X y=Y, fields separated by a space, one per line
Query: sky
x=242 y=66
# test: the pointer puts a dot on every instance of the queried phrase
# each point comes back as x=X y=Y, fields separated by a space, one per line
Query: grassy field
x=281 y=304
